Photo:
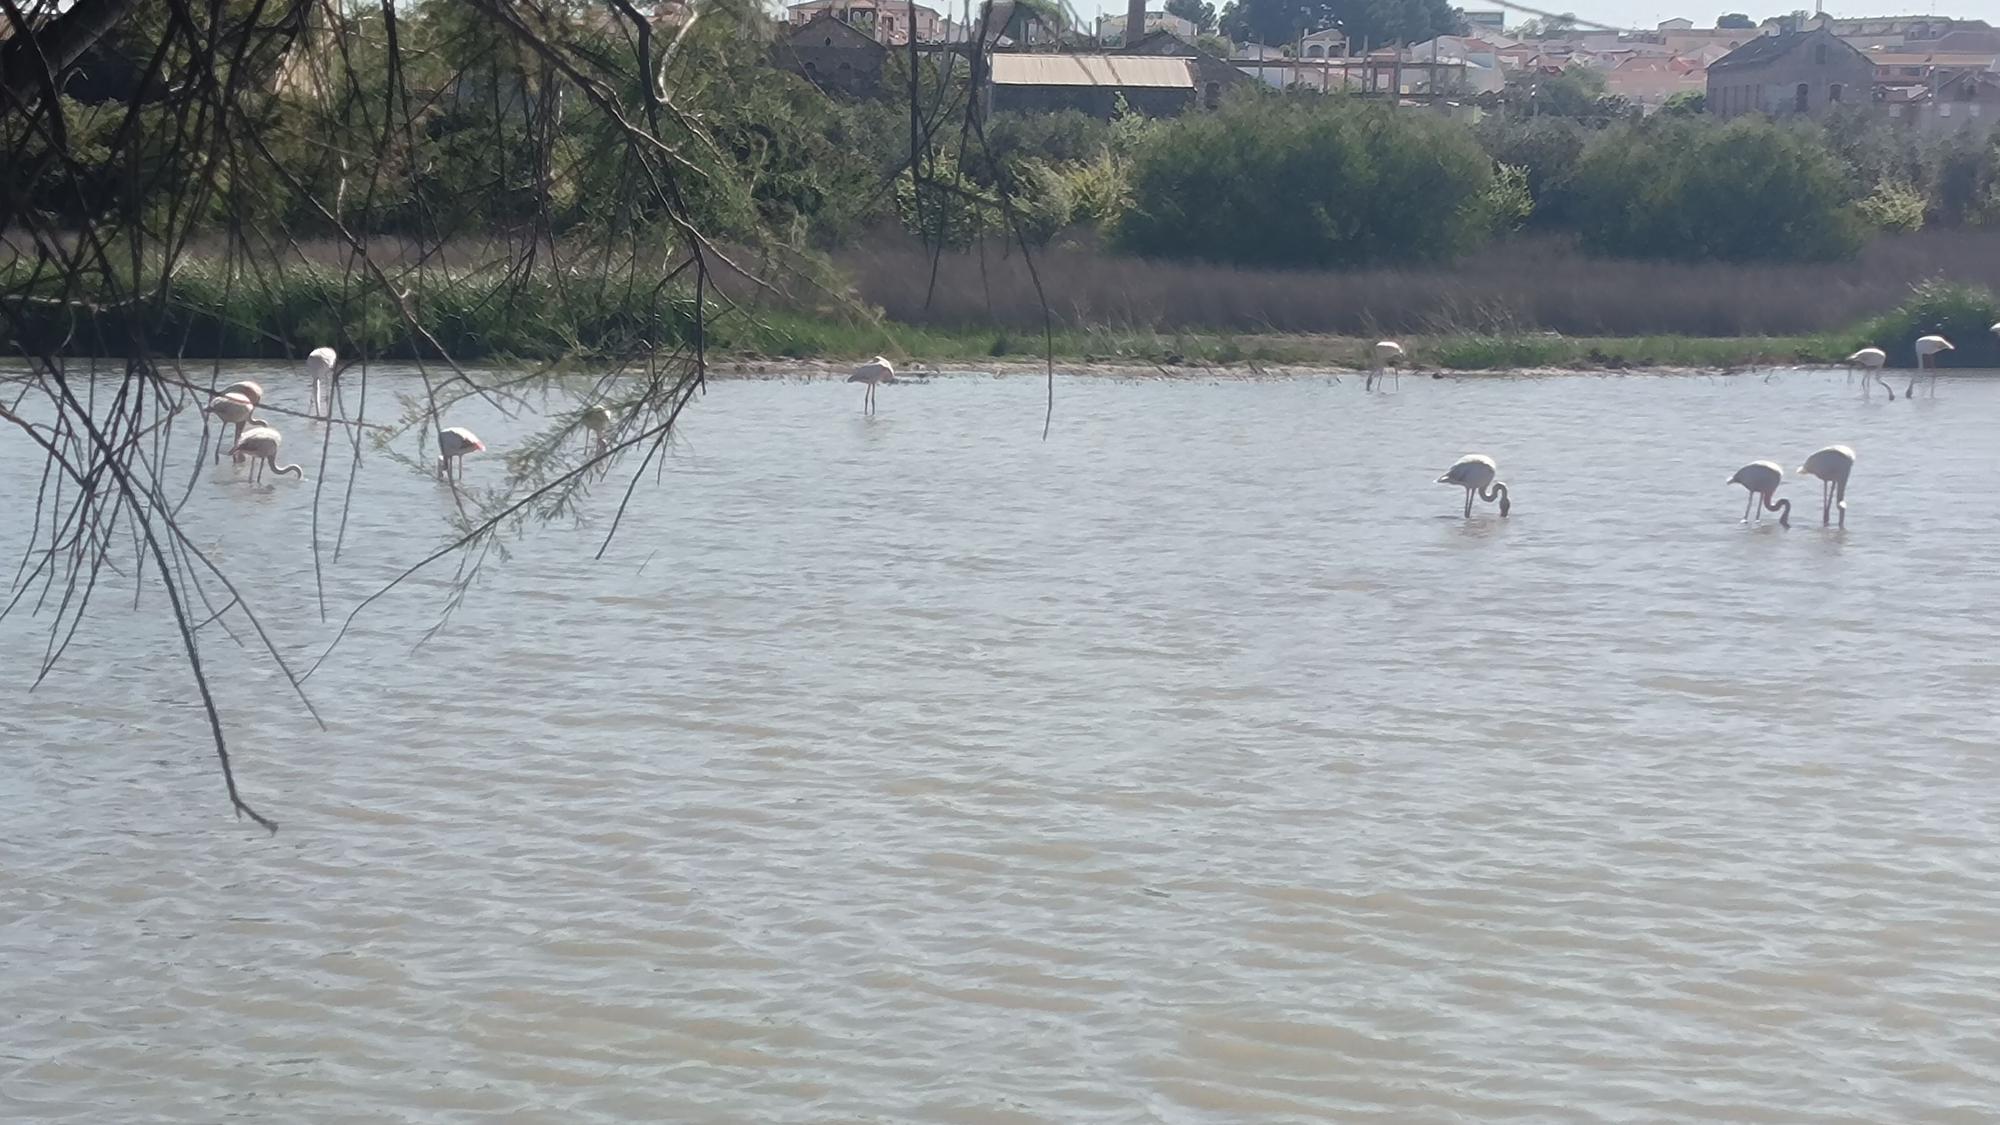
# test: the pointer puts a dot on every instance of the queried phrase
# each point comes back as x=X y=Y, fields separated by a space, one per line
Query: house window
x=1315 y=52
x=1833 y=92
x=1211 y=95
x=1802 y=98
x=1819 y=54
x=1944 y=109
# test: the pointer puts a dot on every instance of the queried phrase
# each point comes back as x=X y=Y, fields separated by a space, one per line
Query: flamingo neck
x=1782 y=507
x=1496 y=491
x=292 y=469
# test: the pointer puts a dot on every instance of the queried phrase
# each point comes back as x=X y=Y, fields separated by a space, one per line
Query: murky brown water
x=1199 y=765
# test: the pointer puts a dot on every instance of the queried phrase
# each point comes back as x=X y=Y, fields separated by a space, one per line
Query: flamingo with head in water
x=875 y=372
x=1870 y=361
x=260 y=444
x=1474 y=472
x=453 y=445
x=1762 y=478
x=1832 y=466
x=233 y=409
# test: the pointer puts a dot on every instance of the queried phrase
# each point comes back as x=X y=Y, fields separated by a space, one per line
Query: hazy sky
x=1646 y=13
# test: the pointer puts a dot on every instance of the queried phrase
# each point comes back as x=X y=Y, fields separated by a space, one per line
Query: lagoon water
x=1197 y=765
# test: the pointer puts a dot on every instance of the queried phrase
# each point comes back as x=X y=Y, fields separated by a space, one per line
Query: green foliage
x=1508 y=201
x=945 y=208
x=1734 y=21
x=1687 y=103
x=1962 y=314
x=1547 y=150
x=1748 y=190
x=1578 y=92
x=1893 y=206
x=1307 y=181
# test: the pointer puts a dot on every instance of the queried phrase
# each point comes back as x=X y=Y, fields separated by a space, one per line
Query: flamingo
x=597 y=420
x=1388 y=353
x=1870 y=360
x=260 y=444
x=252 y=391
x=234 y=409
x=320 y=363
x=1927 y=349
x=1761 y=478
x=874 y=372
x=1474 y=472
x=453 y=445
x=1831 y=465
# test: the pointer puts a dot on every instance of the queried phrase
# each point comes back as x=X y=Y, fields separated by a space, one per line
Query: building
x=833 y=55
x=886 y=21
x=1794 y=72
x=1094 y=84
x=1677 y=25
x=1213 y=76
x=1963 y=103
x=1328 y=44
x=1111 y=29
x=1648 y=81
x=1494 y=22
x=1907 y=67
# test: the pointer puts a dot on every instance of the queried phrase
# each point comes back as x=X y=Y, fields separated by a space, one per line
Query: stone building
x=1796 y=72
x=833 y=55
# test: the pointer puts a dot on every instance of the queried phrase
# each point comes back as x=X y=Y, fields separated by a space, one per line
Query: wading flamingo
x=453 y=445
x=1474 y=472
x=1832 y=466
x=252 y=391
x=320 y=363
x=1870 y=361
x=1927 y=349
x=1762 y=479
x=874 y=372
x=597 y=420
x=233 y=409
x=1388 y=354
x=260 y=445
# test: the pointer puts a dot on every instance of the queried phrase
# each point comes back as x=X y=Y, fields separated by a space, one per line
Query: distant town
x=1934 y=73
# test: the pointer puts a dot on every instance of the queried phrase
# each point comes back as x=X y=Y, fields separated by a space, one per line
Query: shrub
x=1893 y=206
x=1508 y=201
x=1962 y=314
x=1547 y=150
x=1748 y=190
x=1298 y=182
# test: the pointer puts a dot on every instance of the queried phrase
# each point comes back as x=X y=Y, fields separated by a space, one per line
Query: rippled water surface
x=1198 y=765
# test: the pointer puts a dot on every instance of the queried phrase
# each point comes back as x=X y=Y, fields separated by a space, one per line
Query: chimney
x=1135 y=21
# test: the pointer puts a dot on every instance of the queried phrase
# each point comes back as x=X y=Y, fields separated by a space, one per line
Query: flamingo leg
x=1842 y=497
x=1747 y=507
x=1468 y=503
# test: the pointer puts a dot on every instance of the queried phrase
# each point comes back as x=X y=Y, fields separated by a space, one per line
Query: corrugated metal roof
x=1092 y=70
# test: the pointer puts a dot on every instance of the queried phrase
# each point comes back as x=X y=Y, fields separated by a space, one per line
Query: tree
x=1200 y=13
x=1733 y=21
x=1578 y=92
x=1373 y=22
x=1694 y=190
x=1547 y=27
x=1310 y=181
x=1687 y=103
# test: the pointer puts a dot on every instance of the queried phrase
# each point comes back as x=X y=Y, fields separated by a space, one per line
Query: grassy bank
x=1105 y=311
x=793 y=337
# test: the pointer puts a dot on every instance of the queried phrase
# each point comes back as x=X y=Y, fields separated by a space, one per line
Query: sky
x=1647 y=13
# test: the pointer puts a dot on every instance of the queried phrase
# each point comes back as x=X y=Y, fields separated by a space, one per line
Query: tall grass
x=1513 y=288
